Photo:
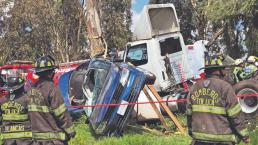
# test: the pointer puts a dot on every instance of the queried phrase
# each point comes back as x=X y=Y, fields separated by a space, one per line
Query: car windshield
x=95 y=79
x=137 y=54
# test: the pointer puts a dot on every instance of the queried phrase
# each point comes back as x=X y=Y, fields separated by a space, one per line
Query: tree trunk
x=79 y=30
x=201 y=21
x=66 y=42
x=94 y=30
x=58 y=45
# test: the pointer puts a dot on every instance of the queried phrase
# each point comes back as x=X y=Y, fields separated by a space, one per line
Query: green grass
x=137 y=135
x=254 y=138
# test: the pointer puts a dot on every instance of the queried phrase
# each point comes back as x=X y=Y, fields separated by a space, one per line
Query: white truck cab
x=158 y=46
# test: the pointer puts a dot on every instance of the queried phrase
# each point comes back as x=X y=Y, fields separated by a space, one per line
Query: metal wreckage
x=101 y=81
x=96 y=87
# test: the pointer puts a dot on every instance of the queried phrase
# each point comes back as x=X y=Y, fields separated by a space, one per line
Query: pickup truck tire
x=248 y=104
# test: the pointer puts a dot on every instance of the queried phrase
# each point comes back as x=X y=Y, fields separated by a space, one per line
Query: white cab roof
x=156 y=19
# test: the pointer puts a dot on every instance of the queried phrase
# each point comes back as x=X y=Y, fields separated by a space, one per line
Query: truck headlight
x=124 y=76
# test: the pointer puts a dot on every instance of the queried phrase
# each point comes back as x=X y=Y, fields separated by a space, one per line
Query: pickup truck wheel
x=249 y=104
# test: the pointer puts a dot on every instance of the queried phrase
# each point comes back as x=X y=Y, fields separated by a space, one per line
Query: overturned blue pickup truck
x=101 y=81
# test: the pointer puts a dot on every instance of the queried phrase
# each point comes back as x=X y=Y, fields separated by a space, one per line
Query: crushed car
x=99 y=82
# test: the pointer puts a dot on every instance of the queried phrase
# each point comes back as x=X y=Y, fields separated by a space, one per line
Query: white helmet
x=238 y=61
x=251 y=59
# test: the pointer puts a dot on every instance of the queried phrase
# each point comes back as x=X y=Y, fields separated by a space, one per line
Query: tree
x=95 y=36
x=73 y=13
x=115 y=16
x=219 y=9
x=233 y=12
x=34 y=27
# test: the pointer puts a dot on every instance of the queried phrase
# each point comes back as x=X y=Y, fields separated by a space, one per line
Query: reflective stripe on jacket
x=15 y=117
x=49 y=135
x=16 y=135
x=35 y=135
x=213 y=112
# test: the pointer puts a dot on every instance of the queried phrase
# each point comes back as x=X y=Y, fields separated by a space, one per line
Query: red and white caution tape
x=154 y=102
x=125 y=104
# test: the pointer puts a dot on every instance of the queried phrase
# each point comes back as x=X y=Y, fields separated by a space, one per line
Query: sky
x=137 y=6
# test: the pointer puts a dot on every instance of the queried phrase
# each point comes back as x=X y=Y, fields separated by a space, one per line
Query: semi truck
x=158 y=47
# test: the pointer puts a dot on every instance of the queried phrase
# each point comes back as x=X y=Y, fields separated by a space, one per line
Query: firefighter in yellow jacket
x=251 y=69
x=50 y=120
x=16 y=126
x=239 y=73
x=214 y=115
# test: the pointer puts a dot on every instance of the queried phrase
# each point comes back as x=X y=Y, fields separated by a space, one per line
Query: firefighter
x=16 y=126
x=239 y=73
x=214 y=59
x=51 y=122
x=251 y=69
x=213 y=113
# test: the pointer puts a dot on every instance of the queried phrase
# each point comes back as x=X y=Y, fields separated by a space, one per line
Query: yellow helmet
x=251 y=59
x=44 y=63
x=238 y=61
x=213 y=61
x=213 y=64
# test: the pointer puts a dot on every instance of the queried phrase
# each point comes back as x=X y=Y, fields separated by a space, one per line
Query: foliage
x=32 y=27
x=220 y=9
x=115 y=18
x=231 y=12
x=35 y=27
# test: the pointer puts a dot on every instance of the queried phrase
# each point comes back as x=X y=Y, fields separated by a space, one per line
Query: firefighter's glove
x=246 y=140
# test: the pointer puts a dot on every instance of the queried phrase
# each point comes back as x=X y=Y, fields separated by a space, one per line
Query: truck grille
x=115 y=100
x=131 y=98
